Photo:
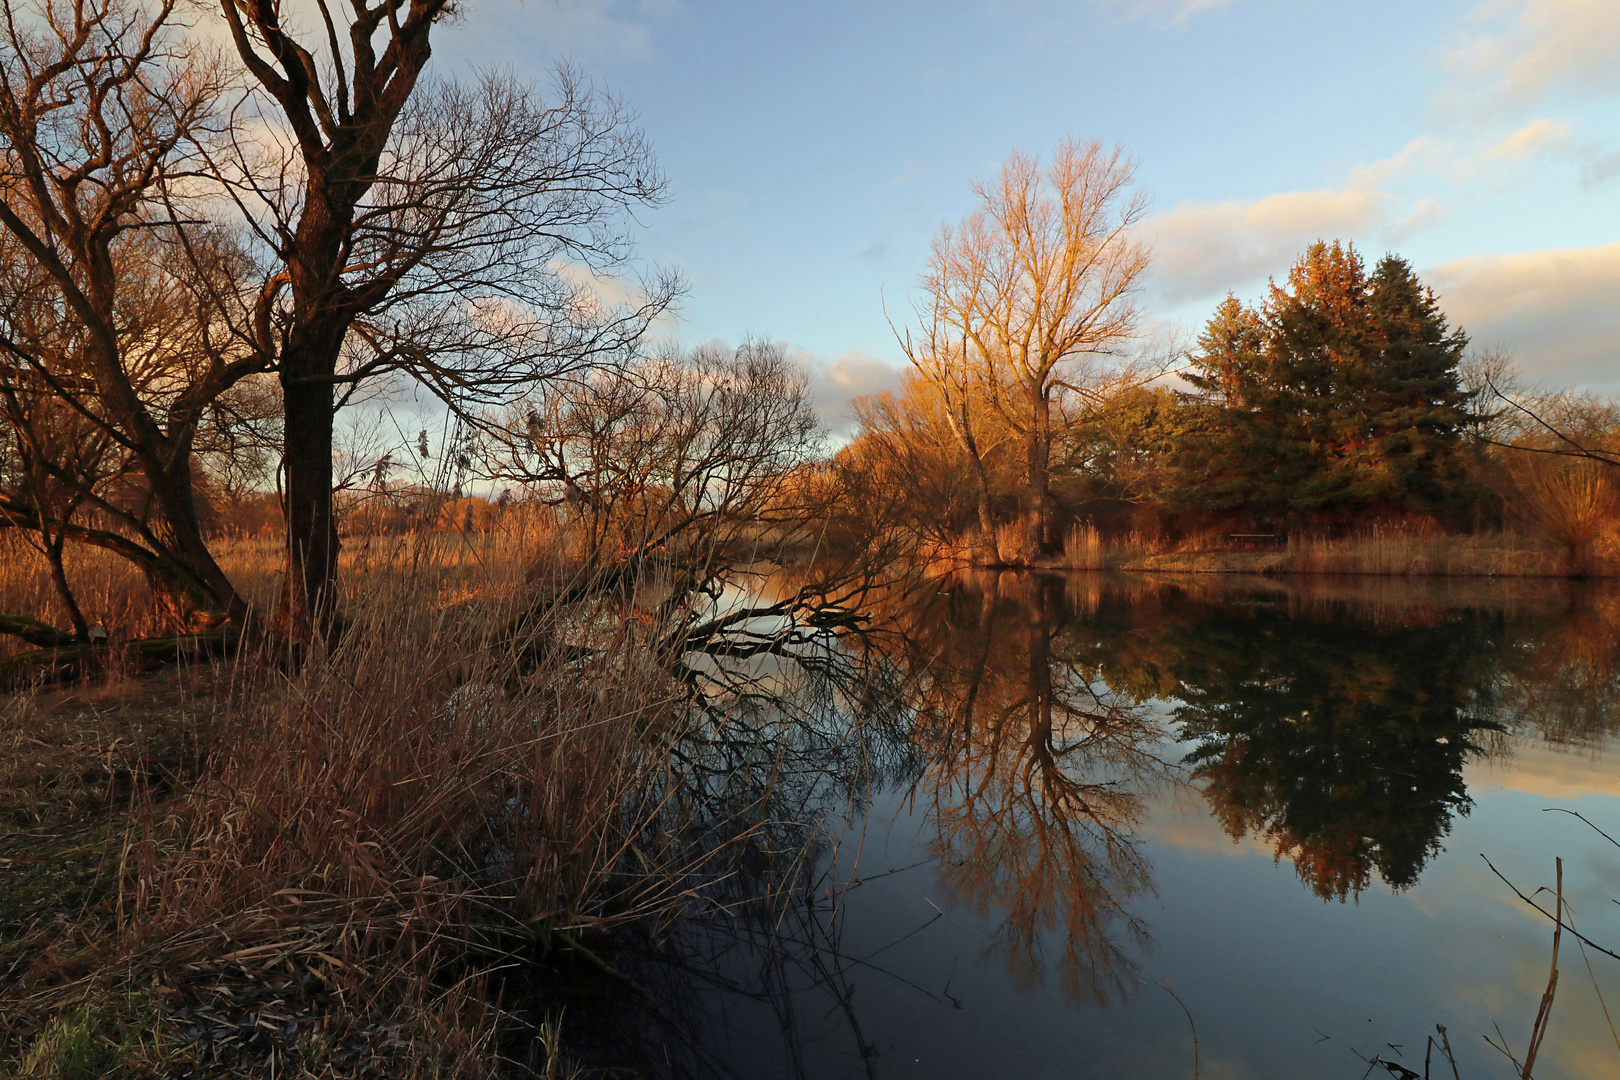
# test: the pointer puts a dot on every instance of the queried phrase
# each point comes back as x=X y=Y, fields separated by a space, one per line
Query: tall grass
x=114 y=595
x=1083 y=547
x=1396 y=551
x=1377 y=551
x=395 y=814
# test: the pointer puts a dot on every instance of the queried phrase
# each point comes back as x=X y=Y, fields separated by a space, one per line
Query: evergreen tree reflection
x=1342 y=743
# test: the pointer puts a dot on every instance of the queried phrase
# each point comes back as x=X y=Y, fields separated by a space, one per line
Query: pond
x=1103 y=826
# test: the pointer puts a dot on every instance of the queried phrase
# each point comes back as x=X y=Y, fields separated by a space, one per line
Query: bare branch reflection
x=1034 y=777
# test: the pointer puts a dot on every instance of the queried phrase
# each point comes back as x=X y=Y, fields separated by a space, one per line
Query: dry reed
x=1083 y=547
x=1377 y=551
x=428 y=795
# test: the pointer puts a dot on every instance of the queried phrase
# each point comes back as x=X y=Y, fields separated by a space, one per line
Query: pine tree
x=1337 y=397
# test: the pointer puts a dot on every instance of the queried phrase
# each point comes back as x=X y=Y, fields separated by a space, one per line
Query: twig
x=1190 y=1023
x=1445 y=1044
x=1544 y=1014
x=1503 y=1047
x=1596 y=990
x=1572 y=813
x=1600 y=456
x=1575 y=933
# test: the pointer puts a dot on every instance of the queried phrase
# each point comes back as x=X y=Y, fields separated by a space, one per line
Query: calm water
x=1046 y=802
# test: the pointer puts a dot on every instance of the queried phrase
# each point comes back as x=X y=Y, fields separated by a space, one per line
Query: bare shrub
x=1573 y=500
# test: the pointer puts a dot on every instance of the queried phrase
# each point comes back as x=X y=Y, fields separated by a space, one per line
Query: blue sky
x=813 y=149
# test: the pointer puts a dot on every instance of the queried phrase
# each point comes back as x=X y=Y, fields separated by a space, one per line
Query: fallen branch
x=38 y=634
x=66 y=663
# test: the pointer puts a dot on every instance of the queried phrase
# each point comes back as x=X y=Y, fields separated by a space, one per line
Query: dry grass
x=1402 y=553
x=1083 y=547
x=371 y=832
x=1378 y=551
x=115 y=596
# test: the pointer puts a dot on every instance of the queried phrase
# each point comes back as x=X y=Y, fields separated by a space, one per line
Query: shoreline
x=1379 y=555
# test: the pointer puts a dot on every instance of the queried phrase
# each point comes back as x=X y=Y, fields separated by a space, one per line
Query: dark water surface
x=1062 y=797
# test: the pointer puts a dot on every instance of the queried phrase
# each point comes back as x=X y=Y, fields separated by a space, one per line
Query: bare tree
x=442 y=230
x=1031 y=299
x=940 y=358
x=695 y=458
x=108 y=361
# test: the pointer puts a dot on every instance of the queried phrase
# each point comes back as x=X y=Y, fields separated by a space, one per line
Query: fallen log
x=65 y=663
x=38 y=634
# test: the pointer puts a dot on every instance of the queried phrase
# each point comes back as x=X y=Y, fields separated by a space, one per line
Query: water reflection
x=1341 y=743
x=1559 y=681
x=1034 y=778
x=1024 y=727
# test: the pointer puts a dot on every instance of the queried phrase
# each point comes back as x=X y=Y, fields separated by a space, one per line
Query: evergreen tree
x=1338 y=396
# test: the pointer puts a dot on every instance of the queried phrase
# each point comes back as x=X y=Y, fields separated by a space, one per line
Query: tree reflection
x=1342 y=743
x=1562 y=682
x=1337 y=732
x=1034 y=779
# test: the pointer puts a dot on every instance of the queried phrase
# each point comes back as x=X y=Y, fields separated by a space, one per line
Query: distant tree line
x=1343 y=399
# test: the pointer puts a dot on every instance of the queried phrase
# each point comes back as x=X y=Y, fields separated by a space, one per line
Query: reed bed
x=1378 y=551
x=370 y=832
x=1396 y=552
x=114 y=595
x=1382 y=551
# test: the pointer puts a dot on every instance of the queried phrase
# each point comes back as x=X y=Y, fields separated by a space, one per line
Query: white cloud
x=1524 y=49
x=1422 y=155
x=1481 y=158
x=1535 y=139
x=1425 y=215
x=1553 y=309
x=1204 y=249
x=833 y=383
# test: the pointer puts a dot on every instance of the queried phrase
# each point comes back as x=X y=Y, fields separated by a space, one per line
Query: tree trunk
x=312 y=540
x=64 y=591
x=988 y=554
x=1037 y=511
x=985 y=630
x=196 y=583
x=1036 y=622
x=191 y=580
